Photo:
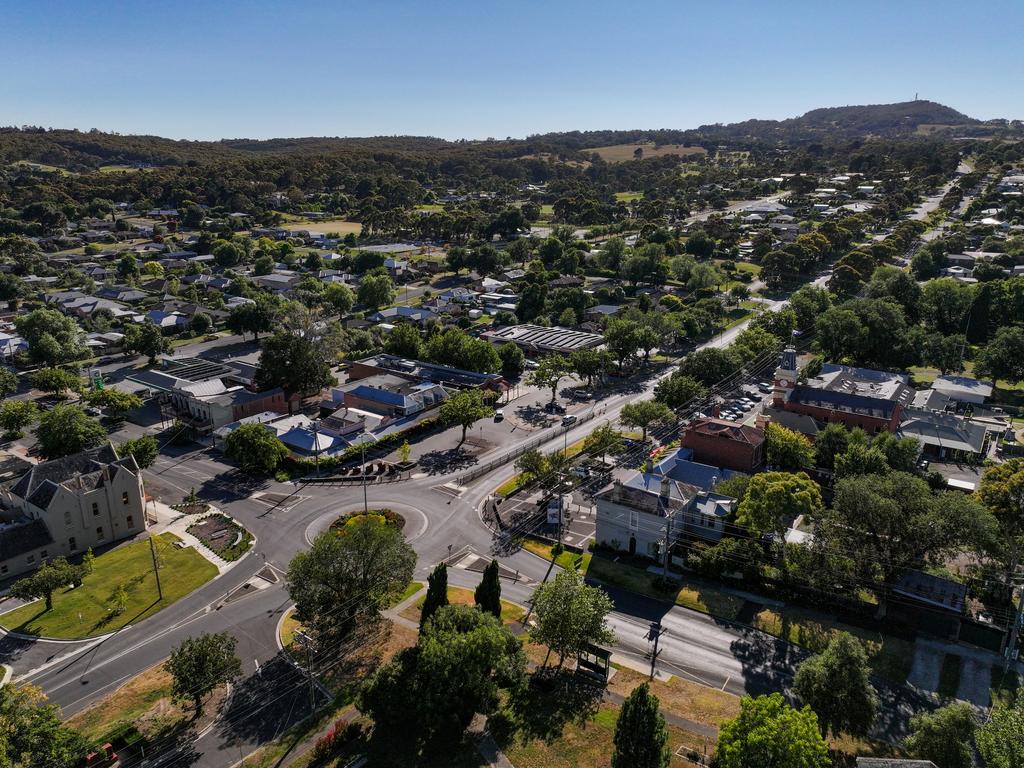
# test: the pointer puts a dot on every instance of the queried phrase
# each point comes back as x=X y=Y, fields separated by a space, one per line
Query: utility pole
x=366 y=504
x=1011 y=647
x=156 y=567
x=307 y=642
x=653 y=636
x=316 y=444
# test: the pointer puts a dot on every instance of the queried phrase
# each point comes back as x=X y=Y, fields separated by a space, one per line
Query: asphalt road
x=76 y=674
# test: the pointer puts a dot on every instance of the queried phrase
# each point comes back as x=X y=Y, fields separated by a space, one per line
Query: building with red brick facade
x=725 y=444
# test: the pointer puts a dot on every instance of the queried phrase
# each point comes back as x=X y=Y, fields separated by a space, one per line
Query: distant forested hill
x=89 y=150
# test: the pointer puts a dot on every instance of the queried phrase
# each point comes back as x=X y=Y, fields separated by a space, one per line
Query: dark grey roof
x=834 y=400
x=67 y=468
x=19 y=538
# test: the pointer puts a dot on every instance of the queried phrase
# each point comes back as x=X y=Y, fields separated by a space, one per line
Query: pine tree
x=641 y=739
x=488 y=592
x=437 y=593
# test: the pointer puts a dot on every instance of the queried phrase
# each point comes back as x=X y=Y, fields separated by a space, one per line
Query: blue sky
x=216 y=69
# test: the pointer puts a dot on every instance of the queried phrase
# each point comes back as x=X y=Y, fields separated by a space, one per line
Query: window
x=124 y=497
x=130 y=521
x=72 y=544
x=99 y=533
x=3 y=569
x=31 y=558
x=95 y=509
x=44 y=554
x=634 y=519
x=67 y=517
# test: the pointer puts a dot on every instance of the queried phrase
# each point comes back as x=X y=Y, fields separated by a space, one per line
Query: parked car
x=531 y=364
x=765 y=387
x=499 y=415
x=569 y=420
x=554 y=407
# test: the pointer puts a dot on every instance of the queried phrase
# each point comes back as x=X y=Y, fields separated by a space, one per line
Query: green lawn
x=566 y=559
x=628 y=197
x=86 y=611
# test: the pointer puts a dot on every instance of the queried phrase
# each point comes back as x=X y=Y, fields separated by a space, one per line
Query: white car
x=499 y=415
x=531 y=364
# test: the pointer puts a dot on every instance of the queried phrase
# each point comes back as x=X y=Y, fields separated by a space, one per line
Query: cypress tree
x=641 y=739
x=437 y=593
x=488 y=592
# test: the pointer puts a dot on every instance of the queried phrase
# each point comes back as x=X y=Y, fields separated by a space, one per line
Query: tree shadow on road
x=768 y=663
x=443 y=462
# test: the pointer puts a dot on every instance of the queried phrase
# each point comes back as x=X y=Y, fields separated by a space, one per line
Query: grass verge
x=510 y=612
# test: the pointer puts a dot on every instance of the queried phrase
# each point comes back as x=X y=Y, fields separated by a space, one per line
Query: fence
x=483 y=469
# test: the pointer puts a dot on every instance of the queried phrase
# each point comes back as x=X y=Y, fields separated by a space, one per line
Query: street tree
x=349 y=574
x=54 y=380
x=404 y=340
x=488 y=592
x=773 y=499
x=571 y=615
x=437 y=593
x=299 y=365
x=622 y=338
x=338 y=297
x=376 y=290
x=1002 y=490
x=46 y=580
x=201 y=664
x=787 y=450
x=549 y=373
x=768 y=726
x=836 y=684
x=588 y=364
x=200 y=324
x=145 y=339
x=66 y=429
x=512 y=358
x=883 y=525
x=945 y=736
x=1001 y=739
x=143 y=449
x=603 y=440
x=461 y=650
x=709 y=365
x=641 y=738
x=256 y=317
x=643 y=414
x=34 y=733
x=255 y=448
x=118 y=403
x=15 y=415
x=464 y=408
x=8 y=382
x=678 y=390
x=52 y=338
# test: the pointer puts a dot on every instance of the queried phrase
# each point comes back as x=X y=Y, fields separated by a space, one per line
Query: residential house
x=409 y=314
x=62 y=507
x=277 y=281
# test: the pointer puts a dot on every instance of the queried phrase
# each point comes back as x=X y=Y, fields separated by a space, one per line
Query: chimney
x=761 y=422
x=666 y=489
